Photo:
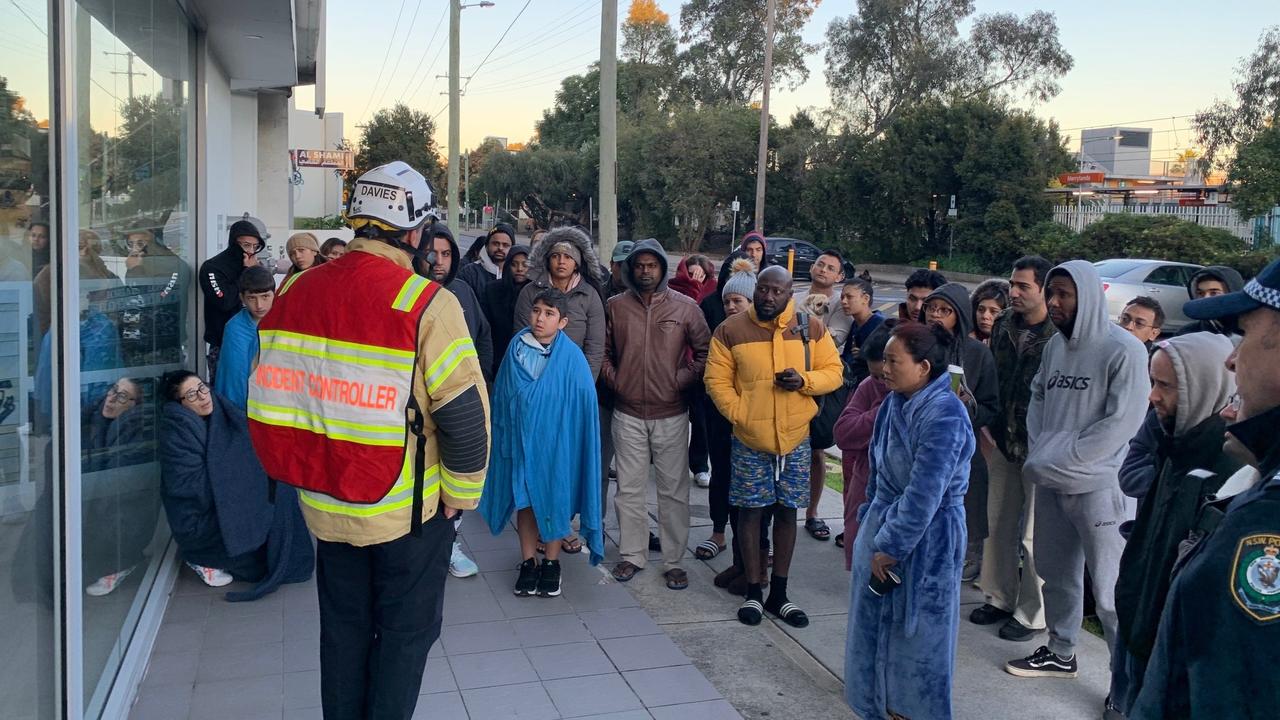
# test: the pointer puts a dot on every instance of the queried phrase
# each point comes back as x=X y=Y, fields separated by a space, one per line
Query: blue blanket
x=215 y=495
x=900 y=648
x=546 y=437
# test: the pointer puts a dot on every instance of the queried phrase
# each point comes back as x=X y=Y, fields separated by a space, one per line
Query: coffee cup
x=957 y=377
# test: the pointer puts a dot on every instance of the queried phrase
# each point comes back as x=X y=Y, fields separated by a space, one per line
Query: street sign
x=1081 y=178
x=951 y=212
x=736 y=205
x=331 y=159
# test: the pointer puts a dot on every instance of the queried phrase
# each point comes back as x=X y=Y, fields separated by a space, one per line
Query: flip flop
x=625 y=570
x=707 y=549
x=840 y=540
x=677 y=579
x=818 y=529
x=571 y=546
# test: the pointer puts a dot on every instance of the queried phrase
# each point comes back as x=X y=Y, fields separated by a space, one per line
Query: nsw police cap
x=1262 y=291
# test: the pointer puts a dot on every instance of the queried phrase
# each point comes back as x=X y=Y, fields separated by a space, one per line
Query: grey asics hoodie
x=1089 y=398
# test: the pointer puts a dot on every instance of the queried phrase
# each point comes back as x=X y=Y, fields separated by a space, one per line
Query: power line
x=550 y=31
x=396 y=68
x=1126 y=124
x=496 y=44
x=364 y=113
x=415 y=75
x=514 y=82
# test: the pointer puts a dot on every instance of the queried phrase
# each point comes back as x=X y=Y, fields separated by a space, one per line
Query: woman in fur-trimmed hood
x=565 y=259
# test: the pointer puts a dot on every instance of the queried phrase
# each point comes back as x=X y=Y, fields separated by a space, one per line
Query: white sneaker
x=459 y=564
x=213 y=577
x=703 y=479
x=107 y=583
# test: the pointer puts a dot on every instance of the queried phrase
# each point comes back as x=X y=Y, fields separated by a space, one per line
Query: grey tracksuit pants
x=1070 y=531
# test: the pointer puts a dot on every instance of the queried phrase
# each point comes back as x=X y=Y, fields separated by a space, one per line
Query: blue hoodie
x=1089 y=397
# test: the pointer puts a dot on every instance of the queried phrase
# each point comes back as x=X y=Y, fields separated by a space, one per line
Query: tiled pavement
x=590 y=653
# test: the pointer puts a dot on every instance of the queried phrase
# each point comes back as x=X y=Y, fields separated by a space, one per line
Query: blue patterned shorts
x=760 y=479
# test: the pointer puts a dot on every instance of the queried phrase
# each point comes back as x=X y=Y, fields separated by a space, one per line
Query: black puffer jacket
x=477 y=323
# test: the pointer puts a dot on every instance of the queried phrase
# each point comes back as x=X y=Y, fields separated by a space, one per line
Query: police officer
x=1217 y=644
x=368 y=398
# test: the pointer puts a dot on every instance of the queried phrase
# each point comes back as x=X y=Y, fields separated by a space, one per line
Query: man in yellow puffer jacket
x=753 y=379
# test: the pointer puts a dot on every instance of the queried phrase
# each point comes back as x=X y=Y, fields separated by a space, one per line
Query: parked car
x=806 y=254
x=1126 y=278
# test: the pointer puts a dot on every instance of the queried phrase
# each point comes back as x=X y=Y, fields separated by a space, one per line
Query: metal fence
x=1253 y=231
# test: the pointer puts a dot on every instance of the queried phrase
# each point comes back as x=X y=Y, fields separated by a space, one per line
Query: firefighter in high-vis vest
x=368 y=398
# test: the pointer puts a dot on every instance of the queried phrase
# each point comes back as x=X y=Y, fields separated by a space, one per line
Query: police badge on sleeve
x=1255 y=577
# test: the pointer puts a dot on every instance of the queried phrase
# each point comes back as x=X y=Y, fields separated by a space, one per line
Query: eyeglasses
x=198 y=391
x=120 y=397
x=940 y=311
x=1126 y=320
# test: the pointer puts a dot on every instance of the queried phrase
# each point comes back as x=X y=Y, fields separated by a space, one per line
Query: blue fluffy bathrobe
x=546 y=436
x=900 y=649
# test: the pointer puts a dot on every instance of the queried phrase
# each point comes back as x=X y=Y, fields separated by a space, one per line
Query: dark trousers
x=381 y=608
x=698 y=442
x=718 y=434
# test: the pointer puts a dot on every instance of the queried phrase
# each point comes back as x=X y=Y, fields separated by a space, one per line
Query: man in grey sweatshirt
x=1087 y=401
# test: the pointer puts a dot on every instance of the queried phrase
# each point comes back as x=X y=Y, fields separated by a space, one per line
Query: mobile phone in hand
x=884 y=587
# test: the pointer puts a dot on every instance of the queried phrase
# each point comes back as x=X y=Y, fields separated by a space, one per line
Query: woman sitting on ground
x=900 y=649
x=228 y=520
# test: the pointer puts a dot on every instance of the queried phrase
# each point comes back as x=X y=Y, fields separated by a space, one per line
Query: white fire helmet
x=393 y=196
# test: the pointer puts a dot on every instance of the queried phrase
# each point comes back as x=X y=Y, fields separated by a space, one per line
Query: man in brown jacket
x=655 y=350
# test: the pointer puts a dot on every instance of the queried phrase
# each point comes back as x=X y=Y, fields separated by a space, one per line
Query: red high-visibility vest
x=332 y=395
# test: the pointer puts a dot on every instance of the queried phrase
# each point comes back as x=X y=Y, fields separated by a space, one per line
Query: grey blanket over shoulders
x=216 y=460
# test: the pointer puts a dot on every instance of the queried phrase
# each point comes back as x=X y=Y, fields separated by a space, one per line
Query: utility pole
x=455 y=130
x=130 y=72
x=608 y=190
x=466 y=183
x=762 y=158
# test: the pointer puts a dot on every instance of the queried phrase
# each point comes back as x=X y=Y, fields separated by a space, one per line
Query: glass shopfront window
x=133 y=91
x=28 y=671
x=133 y=252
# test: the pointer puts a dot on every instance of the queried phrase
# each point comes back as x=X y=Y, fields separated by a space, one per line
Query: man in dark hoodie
x=949 y=307
x=490 y=259
x=1221 y=622
x=655 y=350
x=1207 y=282
x=219 y=280
x=499 y=301
x=1190 y=385
x=1087 y=400
x=445 y=272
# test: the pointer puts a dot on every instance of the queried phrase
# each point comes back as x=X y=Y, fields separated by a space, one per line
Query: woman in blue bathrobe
x=900 y=649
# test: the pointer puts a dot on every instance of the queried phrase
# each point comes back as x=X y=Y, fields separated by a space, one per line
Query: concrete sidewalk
x=590 y=653
x=775 y=671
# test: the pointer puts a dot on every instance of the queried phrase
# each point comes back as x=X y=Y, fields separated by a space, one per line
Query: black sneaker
x=988 y=615
x=549 y=578
x=1016 y=631
x=1042 y=663
x=527 y=583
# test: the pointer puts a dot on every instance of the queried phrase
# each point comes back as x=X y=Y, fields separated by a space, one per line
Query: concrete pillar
x=275 y=194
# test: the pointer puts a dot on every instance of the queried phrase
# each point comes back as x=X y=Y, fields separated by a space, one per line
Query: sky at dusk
x=1144 y=63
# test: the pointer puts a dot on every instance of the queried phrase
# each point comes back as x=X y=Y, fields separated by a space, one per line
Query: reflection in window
x=135 y=319
x=27 y=668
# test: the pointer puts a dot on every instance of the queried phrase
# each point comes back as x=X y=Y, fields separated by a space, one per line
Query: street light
x=486 y=3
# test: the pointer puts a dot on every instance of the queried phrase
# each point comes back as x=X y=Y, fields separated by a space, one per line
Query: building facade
x=132 y=133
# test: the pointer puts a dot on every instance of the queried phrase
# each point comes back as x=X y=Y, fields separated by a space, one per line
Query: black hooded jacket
x=972 y=355
x=499 y=303
x=477 y=323
x=1229 y=277
x=220 y=285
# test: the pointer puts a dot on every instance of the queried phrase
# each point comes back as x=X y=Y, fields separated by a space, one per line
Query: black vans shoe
x=1043 y=663
x=549 y=578
x=527 y=583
